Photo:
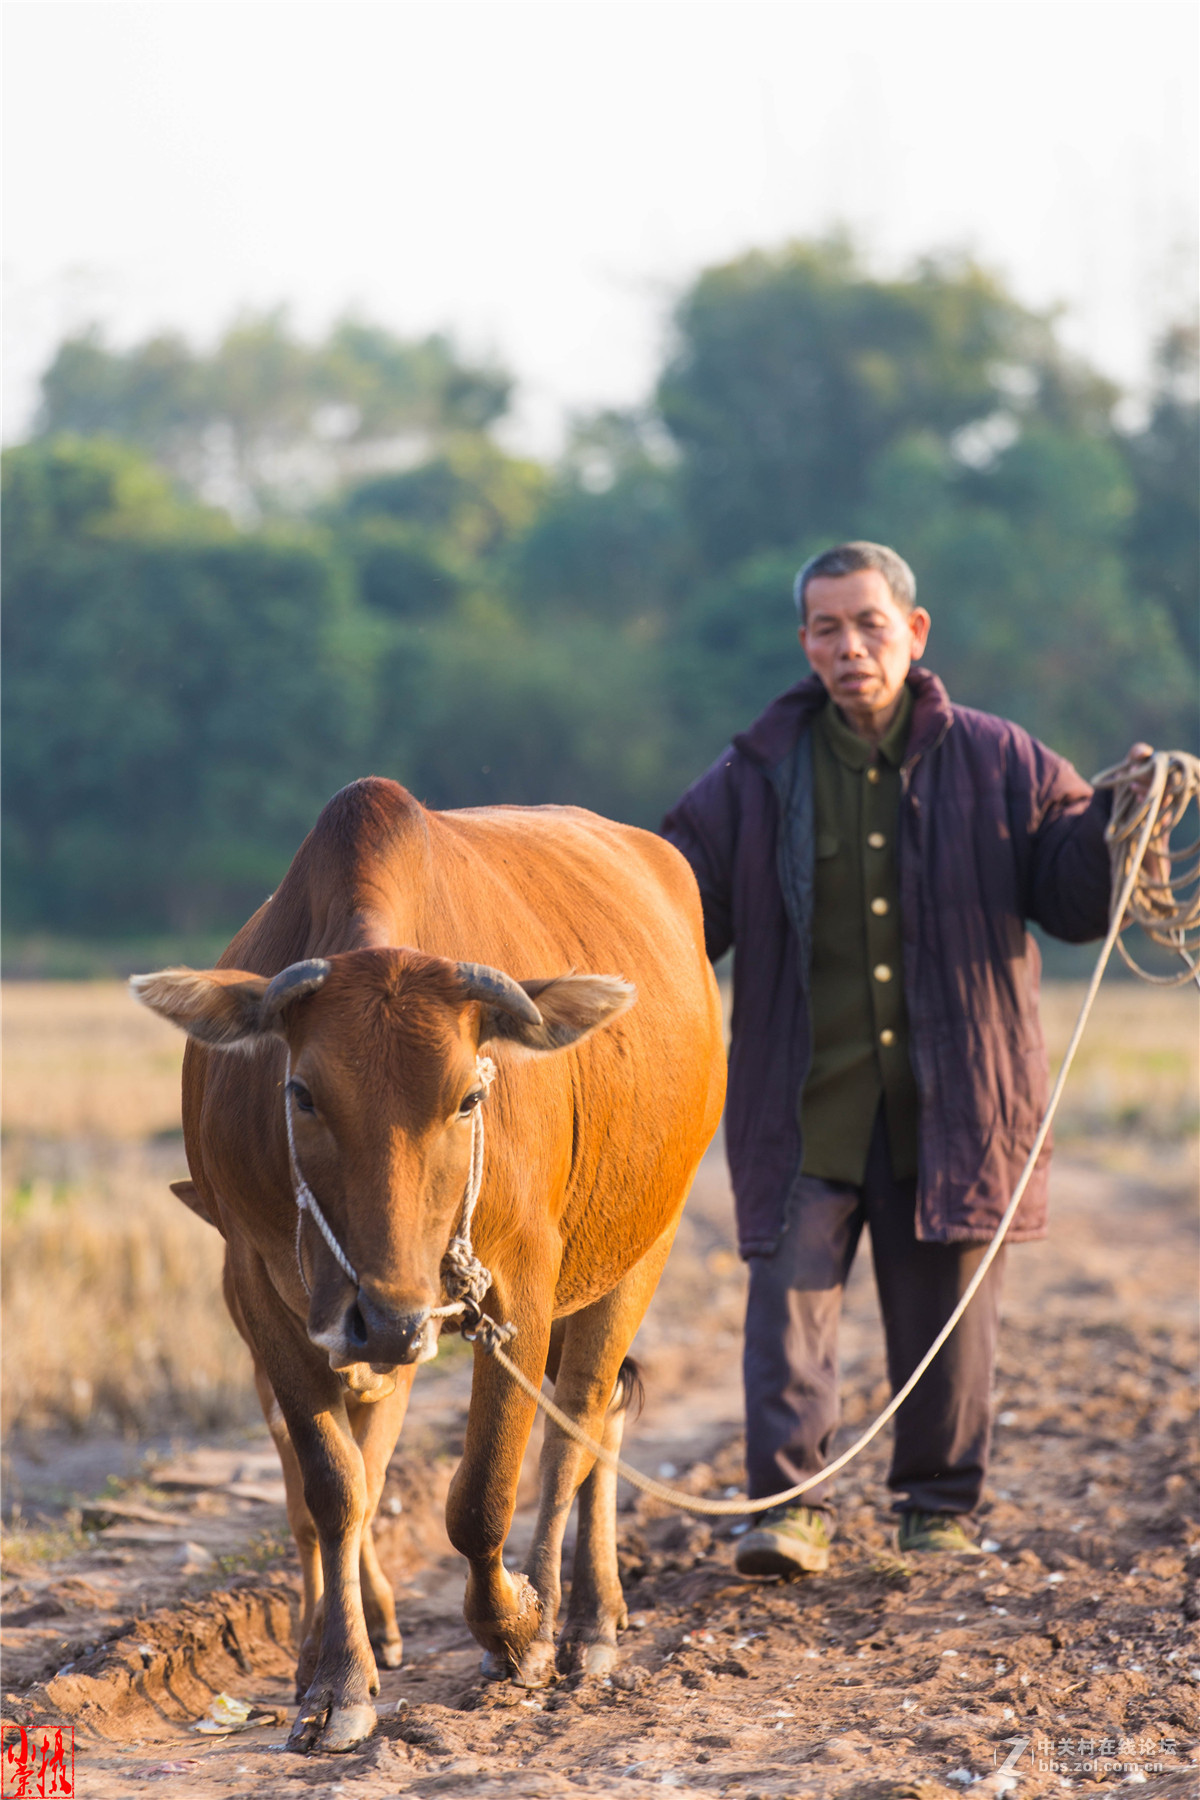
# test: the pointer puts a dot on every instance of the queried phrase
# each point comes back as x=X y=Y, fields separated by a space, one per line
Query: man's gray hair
x=849 y=559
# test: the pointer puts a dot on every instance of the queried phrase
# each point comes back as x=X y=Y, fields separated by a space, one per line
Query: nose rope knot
x=463 y=1275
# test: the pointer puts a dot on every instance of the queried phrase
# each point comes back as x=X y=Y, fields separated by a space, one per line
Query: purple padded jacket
x=995 y=829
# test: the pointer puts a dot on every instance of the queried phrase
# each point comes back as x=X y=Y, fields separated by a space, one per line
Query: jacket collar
x=776 y=732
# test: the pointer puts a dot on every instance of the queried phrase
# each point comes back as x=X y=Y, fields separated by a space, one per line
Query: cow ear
x=226 y=1009
x=570 y=1007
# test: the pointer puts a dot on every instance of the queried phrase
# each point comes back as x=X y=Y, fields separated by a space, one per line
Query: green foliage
x=609 y=543
x=795 y=372
x=734 y=649
x=420 y=539
x=179 y=705
x=265 y=419
x=1033 y=616
x=472 y=495
x=185 y=692
x=1164 y=461
x=478 y=710
x=812 y=402
x=87 y=489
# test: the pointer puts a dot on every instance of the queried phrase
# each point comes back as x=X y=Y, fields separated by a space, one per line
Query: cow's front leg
x=376 y=1425
x=336 y=1712
x=501 y=1607
x=303 y=1531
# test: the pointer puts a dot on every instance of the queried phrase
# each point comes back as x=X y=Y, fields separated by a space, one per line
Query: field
x=142 y=1512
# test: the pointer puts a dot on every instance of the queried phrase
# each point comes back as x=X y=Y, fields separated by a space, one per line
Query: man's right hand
x=1156 y=865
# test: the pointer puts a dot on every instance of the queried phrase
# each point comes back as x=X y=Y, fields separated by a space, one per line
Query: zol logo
x=36 y=1762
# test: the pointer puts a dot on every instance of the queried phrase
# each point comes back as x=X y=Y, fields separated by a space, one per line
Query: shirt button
x=887 y=1036
x=881 y=972
x=873 y=775
x=879 y=908
x=876 y=840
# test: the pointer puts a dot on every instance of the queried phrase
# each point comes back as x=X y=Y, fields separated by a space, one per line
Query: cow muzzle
x=373 y=1333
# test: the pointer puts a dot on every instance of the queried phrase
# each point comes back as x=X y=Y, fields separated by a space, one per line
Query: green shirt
x=859 y=1022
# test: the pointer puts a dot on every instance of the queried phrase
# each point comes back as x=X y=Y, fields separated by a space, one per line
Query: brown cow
x=347 y=1002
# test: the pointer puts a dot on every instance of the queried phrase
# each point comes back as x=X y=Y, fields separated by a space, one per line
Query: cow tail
x=630 y=1390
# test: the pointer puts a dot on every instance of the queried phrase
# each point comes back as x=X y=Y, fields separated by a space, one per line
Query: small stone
x=837 y=1749
x=191 y=1558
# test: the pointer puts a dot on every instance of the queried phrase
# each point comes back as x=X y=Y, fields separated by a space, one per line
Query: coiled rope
x=1167 y=909
x=1150 y=797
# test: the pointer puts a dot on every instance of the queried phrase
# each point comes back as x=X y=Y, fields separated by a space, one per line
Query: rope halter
x=464 y=1277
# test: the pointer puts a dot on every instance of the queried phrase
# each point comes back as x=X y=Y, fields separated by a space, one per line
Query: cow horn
x=497 y=989
x=293 y=983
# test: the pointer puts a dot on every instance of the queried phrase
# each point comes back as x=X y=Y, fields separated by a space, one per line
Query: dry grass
x=81 y=1058
x=1137 y=1069
x=111 y=1288
x=113 y=1314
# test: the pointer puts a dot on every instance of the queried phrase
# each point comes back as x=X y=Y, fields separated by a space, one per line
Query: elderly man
x=872 y=853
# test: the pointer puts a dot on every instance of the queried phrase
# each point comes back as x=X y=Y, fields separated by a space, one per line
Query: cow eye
x=301 y=1096
x=469 y=1104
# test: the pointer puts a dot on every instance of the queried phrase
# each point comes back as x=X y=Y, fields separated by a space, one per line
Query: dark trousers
x=790 y=1363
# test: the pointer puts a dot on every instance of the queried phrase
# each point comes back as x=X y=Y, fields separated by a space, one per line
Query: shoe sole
x=768 y=1554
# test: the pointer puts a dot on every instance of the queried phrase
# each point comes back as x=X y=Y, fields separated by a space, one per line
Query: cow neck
x=463 y=1275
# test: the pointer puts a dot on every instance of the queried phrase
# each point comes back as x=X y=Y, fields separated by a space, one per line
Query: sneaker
x=940 y=1533
x=788 y=1540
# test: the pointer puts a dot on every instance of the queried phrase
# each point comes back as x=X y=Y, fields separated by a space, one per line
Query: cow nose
x=382 y=1337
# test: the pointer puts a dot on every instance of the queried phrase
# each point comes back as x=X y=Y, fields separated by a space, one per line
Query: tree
x=813 y=402
x=794 y=372
x=479 y=710
x=422 y=538
x=1164 y=460
x=609 y=543
x=181 y=699
x=1034 y=617
x=266 y=420
x=185 y=692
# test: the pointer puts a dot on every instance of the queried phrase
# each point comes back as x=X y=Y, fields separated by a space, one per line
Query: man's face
x=860 y=642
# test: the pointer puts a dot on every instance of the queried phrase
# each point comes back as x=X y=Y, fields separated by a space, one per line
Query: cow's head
x=383 y=1084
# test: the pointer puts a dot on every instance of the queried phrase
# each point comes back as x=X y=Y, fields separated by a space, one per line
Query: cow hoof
x=592 y=1661
x=346 y=1727
x=536 y=1668
x=389 y=1652
x=508 y=1639
x=331 y=1730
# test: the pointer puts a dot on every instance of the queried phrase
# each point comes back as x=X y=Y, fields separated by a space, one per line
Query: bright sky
x=542 y=179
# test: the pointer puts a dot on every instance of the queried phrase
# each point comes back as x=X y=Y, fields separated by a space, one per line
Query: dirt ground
x=1074 y=1643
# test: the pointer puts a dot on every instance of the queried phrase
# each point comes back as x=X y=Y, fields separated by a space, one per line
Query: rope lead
x=1168 y=910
